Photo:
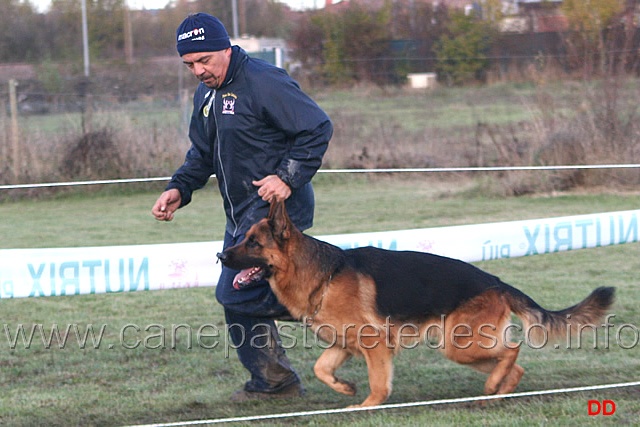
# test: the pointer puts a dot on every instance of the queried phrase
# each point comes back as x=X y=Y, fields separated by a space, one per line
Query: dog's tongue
x=246 y=277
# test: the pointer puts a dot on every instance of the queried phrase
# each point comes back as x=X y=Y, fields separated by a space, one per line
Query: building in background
x=272 y=50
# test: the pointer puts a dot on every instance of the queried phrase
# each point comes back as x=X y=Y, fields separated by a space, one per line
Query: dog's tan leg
x=380 y=368
x=327 y=364
x=512 y=380
x=477 y=337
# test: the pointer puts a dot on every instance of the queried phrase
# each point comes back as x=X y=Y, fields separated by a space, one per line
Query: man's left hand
x=270 y=187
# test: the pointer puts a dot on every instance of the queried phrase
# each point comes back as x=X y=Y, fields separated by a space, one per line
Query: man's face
x=209 y=67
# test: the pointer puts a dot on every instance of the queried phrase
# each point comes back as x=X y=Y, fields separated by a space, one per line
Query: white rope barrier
x=392 y=406
x=485 y=168
x=384 y=170
x=80 y=183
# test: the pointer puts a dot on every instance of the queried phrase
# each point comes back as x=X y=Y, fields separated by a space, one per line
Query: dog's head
x=263 y=249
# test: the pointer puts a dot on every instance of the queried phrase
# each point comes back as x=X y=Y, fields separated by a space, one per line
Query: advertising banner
x=93 y=270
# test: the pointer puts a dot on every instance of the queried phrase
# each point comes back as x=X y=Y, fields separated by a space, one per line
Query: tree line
x=357 y=42
x=27 y=35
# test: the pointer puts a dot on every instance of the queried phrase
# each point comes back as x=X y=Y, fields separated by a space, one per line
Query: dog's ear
x=279 y=220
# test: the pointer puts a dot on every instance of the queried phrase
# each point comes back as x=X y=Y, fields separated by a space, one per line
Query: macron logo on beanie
x=192 y=33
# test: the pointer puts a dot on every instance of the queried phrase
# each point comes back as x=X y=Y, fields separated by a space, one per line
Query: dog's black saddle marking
x=417 y=285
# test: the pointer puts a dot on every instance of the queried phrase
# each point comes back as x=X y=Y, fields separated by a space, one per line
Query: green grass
x=142 y=116
x=157 y=381
x=445 y=108
x=117 y=217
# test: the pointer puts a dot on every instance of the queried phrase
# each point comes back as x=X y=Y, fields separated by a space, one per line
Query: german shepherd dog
x=373 y=302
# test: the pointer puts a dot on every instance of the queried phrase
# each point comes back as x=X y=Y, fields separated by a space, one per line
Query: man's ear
x=279 y=220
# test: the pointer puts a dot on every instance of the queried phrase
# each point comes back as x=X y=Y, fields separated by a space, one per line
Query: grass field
x=504 y=124
x=166 y=380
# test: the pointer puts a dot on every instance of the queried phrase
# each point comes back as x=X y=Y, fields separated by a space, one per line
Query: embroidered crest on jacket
x=229 y=103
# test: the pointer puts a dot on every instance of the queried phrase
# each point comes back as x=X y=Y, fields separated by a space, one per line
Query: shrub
x=95 y=155
x=462 y=54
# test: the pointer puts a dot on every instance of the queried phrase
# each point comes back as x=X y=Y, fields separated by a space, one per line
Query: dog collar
x=308 y=320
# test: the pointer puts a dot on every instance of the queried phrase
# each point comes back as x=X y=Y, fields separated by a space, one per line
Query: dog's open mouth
x=248 y=276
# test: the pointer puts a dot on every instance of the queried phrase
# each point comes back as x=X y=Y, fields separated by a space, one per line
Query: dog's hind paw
x=345 y=387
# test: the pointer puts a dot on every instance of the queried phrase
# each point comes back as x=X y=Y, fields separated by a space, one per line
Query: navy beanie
x=201 y=32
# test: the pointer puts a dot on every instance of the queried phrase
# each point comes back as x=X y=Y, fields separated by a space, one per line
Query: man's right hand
x=166 y=205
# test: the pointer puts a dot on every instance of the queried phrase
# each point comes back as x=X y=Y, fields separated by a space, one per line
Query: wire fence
x=565 y=129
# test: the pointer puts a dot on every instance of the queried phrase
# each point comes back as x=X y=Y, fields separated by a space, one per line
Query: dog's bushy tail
x=541 y=324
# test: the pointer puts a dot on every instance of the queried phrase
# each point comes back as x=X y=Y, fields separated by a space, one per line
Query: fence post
x=15 y=140
x=4 y=137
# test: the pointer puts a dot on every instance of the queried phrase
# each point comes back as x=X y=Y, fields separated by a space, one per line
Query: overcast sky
x=159 y=4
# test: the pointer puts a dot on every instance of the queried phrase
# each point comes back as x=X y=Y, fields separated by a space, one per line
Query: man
x=263 y=138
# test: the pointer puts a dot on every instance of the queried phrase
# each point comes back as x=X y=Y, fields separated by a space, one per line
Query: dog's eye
x=252 y=243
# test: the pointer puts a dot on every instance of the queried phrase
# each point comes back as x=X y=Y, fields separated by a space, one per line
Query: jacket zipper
x=222 y=172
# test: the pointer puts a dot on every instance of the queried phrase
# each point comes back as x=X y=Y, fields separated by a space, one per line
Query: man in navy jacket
x=263 y=138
